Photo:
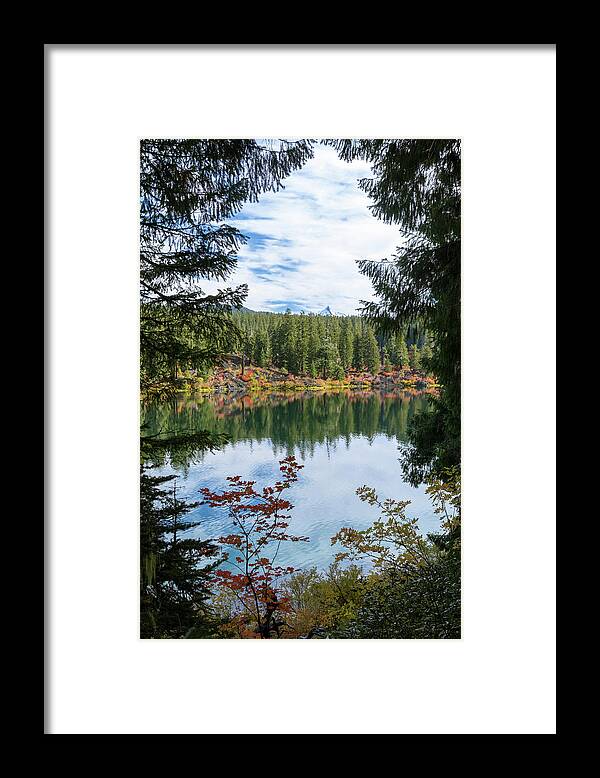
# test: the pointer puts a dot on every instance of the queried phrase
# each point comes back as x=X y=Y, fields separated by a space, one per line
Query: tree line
x=328 y=346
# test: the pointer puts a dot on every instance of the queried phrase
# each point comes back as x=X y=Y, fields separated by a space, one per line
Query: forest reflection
x=293 y=423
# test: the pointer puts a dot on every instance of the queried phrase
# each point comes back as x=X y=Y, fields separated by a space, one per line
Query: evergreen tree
x=416 y=184
x=358 y=358
x=313 y=348
x=247 y=343
x=387 y=365
x=426 y=356
x=338 y=373
x=414 y=357
x=262 y=348
x=403 y=360
x=188 y=189
x=280 y=340
x=175 y=571
x=346 y=344
x=329 y=359
x=371 y=351
x=302 y=344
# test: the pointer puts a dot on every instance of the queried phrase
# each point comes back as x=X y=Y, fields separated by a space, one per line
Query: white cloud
x=306 y=238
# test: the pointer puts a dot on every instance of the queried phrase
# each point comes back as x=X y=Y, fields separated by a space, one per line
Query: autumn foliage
x=261 y=520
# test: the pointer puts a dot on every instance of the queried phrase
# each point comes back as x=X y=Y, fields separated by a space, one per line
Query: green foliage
x=414 y=590
x=414 y=357
x=387 y=364
x=320 y=601
x=426 y=355
x=346 y=343
x=180 y=443
x=262 y=348
x=412 y=585
x=188 y=189
x=400 y=352
x=416 y=184
x=370 y=351
x=337 y=372
x=175 y=570
x=310 y=344
x=328 y=358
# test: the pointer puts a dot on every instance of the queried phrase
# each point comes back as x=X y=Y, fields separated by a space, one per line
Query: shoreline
x=228 y=382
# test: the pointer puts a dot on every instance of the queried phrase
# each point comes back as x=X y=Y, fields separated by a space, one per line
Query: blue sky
x=303 y=240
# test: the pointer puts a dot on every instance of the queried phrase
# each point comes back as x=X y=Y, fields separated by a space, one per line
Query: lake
x=343 y=439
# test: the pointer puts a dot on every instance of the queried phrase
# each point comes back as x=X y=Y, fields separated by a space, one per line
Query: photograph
x=300 y=394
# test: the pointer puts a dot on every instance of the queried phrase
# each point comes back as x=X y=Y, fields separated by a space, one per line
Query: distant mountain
x=296 y=310
x=328 y=312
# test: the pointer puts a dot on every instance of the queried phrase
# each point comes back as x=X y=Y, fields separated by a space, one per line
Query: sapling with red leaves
x=260 y=519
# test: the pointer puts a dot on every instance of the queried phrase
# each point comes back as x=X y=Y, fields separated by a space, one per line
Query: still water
x=344 y=440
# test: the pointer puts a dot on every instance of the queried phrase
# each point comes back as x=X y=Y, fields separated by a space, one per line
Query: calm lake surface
x=344 y=440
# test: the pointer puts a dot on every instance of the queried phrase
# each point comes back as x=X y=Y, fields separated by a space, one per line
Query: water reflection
x=292 y=423
x=345 y=439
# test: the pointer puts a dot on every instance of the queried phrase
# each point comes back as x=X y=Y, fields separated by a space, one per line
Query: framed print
x=296 y=297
